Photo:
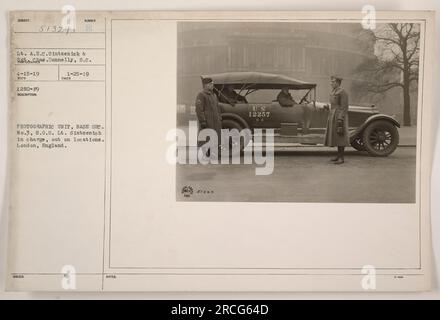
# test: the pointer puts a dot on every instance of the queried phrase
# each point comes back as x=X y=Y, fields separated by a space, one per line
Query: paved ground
x=408 y=136
x=305 y=174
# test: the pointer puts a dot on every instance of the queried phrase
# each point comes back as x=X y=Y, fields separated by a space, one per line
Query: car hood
x=363 y=108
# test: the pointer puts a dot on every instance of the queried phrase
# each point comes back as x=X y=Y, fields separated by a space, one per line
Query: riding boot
x=340 y=155
x=337 y=156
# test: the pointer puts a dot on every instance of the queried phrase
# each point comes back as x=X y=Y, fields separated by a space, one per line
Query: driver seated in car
x=228 y=95
x=285 y=99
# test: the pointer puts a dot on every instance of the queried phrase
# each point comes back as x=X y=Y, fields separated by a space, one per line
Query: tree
x=396 y=63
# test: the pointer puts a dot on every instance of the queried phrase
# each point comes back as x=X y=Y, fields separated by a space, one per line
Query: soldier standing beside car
x=336 y=134
x=207 y=109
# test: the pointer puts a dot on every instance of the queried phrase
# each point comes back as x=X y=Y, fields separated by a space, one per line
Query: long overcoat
x=208 y=111
x=338 y=111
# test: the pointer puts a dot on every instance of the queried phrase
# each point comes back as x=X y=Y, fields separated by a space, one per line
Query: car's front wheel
x=380 y=138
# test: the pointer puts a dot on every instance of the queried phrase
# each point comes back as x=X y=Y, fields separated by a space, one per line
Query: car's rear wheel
x=232 y=124
x=358 y=144
x=380 y=138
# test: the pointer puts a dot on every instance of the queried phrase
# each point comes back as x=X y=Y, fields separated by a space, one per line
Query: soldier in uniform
x=285 y=99
x=207 y=109
x=336 y=134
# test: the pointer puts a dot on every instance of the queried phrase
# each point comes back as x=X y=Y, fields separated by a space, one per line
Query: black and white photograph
x=291 y=111
x=220 y=152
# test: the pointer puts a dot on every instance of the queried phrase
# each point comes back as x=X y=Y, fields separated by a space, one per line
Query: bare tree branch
x=396 y=64
x=387 y=40
x=381 y=88
x=408 y=32
x=413 y=62
x=415 y=49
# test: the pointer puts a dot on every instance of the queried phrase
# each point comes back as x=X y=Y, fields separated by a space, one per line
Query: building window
x=252 y=56
x=237 y=56
x=298 y=58
x=267 y=56
x=283 y=57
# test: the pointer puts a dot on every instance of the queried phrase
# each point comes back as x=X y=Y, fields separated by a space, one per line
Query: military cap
x=206 y=80
x=336 y=77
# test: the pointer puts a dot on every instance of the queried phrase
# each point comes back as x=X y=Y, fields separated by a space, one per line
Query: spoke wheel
x=380 y=138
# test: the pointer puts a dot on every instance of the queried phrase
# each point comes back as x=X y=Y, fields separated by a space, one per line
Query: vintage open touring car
x=254 y=105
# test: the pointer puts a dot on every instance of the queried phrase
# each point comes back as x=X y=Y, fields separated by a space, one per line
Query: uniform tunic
x=208 y=111
x=338 y=111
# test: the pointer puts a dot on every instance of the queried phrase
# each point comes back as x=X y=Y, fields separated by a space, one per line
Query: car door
x=262 y=115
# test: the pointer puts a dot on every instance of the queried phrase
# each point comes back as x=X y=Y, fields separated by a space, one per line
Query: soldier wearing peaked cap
x=207 y=108
x=336 y=134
